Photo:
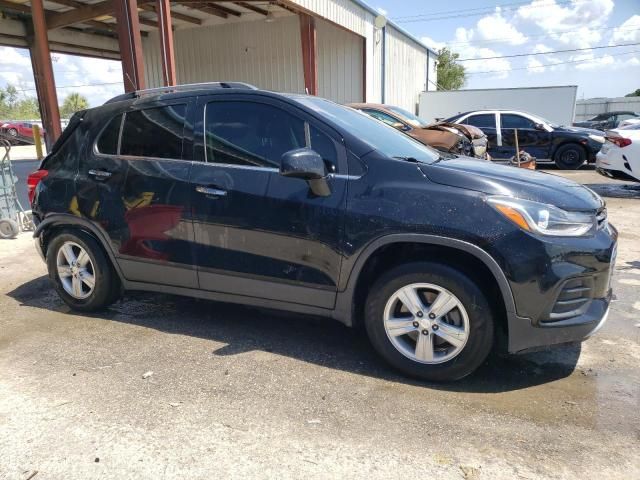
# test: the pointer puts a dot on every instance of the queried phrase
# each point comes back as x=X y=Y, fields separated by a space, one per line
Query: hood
x=583 y=130
x=492 y=179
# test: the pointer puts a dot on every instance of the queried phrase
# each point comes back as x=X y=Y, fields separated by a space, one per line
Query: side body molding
x=345 y=300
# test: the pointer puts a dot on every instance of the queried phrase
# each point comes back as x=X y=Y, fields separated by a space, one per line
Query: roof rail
x=180 y=88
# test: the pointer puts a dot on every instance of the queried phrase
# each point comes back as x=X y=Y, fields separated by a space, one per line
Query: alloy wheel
x=426 y=323
x=75 y=270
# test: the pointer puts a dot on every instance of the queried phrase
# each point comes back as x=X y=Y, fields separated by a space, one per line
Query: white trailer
x=557 y=104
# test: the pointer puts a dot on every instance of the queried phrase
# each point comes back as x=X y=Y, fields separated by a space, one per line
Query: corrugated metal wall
x=405 y=70
x=342 y=12
x=267 y=55
x=340 y=67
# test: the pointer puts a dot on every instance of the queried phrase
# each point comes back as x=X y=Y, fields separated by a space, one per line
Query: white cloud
x=535 y=66
x=541 y=48
x=588 y=61
x=628 y=32
x=433 y=44
x=556 y=19
x=496 y=27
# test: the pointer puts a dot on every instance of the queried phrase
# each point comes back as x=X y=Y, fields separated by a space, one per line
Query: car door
x=134 y=186
x=257 y=233
x=532 y=138
x=487 y=123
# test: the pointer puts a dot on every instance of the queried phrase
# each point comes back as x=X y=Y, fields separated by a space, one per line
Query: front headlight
x=543 y=218
x=597 y=138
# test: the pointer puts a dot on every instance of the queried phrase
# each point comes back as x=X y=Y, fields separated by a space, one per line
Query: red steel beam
x=43 y=74
x=163 y=10
x=130 y=44
x=309 y=53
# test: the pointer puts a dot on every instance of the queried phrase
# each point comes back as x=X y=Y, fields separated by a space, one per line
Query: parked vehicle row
x=610 y=120
x=447 y=137
x=568 y=147
x=230 y=193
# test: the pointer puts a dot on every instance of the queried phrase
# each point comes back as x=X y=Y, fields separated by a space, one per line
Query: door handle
x=214 y=192
x=100 y=174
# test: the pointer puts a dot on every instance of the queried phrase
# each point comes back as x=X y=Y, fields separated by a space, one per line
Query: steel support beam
x=309 y=53
x=43 y=74
x=130 y=44
x=163 y=10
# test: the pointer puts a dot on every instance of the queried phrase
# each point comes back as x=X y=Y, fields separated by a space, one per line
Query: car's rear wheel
x=81 y=272
x=12 y=132
x=429 y=321
x=569 y=157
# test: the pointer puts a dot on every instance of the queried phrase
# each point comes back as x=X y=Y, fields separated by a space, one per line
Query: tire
x=447 y=362
x=569 y=156
x=13 y=132
x=8 y=228
x=106 y=283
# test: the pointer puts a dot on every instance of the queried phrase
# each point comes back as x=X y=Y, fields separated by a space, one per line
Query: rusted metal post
x=163 y=10
x=43 y=74
x=309 y=53
x=130 y=44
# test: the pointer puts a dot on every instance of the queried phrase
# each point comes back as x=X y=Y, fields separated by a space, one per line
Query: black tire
x=107 y=286
x=569 y=156
x=8 y=228
x=481 y=325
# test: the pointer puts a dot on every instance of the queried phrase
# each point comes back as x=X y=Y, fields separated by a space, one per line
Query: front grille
x=573 y=299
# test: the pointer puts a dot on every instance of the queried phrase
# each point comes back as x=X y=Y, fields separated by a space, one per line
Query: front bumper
x=565 y=296
x=523 y=336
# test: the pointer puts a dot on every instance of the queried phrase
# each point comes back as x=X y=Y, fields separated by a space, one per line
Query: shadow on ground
x=309 y=339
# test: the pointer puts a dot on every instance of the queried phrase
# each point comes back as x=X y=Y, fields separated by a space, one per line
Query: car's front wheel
x=81 y=272
x=430 y=321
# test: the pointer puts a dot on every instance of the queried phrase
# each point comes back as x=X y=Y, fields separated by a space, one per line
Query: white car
x=619 y=157
x=629 y=122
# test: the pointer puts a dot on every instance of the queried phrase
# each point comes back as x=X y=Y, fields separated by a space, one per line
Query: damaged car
x=449 y=137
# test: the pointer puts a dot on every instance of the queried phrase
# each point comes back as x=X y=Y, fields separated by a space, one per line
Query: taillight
x=620 y=141
x=32 y=182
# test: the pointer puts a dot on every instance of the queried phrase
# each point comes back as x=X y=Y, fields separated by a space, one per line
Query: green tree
x=72 y=104
x=12 y=95
x=451 y=75
x=634 y=94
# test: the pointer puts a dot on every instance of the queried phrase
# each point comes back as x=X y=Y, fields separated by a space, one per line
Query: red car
x=19 y=131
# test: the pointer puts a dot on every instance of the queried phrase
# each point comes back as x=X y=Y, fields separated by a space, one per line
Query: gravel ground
x=243 y=393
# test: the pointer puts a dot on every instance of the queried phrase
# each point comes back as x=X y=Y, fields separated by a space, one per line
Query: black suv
x=226 y=192
x=568 y=147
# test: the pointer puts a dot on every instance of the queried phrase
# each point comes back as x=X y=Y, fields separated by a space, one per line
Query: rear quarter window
x=108 y=140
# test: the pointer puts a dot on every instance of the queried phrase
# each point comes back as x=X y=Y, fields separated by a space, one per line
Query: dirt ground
x=243 y=393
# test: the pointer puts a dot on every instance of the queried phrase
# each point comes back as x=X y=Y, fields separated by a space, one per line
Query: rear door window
x=483 y=120
x=154 y=132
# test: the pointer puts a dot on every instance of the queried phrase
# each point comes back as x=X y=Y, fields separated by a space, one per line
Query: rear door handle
x=211 y=191
x=100 y=174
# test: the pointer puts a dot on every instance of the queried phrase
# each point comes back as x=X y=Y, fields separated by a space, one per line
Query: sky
x=481 y=29
x=473 y=28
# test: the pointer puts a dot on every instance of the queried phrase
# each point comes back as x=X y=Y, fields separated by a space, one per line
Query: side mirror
x=306 y=164
x=539 y=126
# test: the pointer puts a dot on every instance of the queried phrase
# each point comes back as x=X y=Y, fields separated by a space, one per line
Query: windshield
x=378 y=135
x=408 y=116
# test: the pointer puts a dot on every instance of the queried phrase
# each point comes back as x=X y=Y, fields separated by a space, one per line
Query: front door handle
x=210 y=191
x=100 y=174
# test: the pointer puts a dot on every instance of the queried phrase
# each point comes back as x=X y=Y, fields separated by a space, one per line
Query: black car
x=607 y=121
x=229 y=193
x=568 y=147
